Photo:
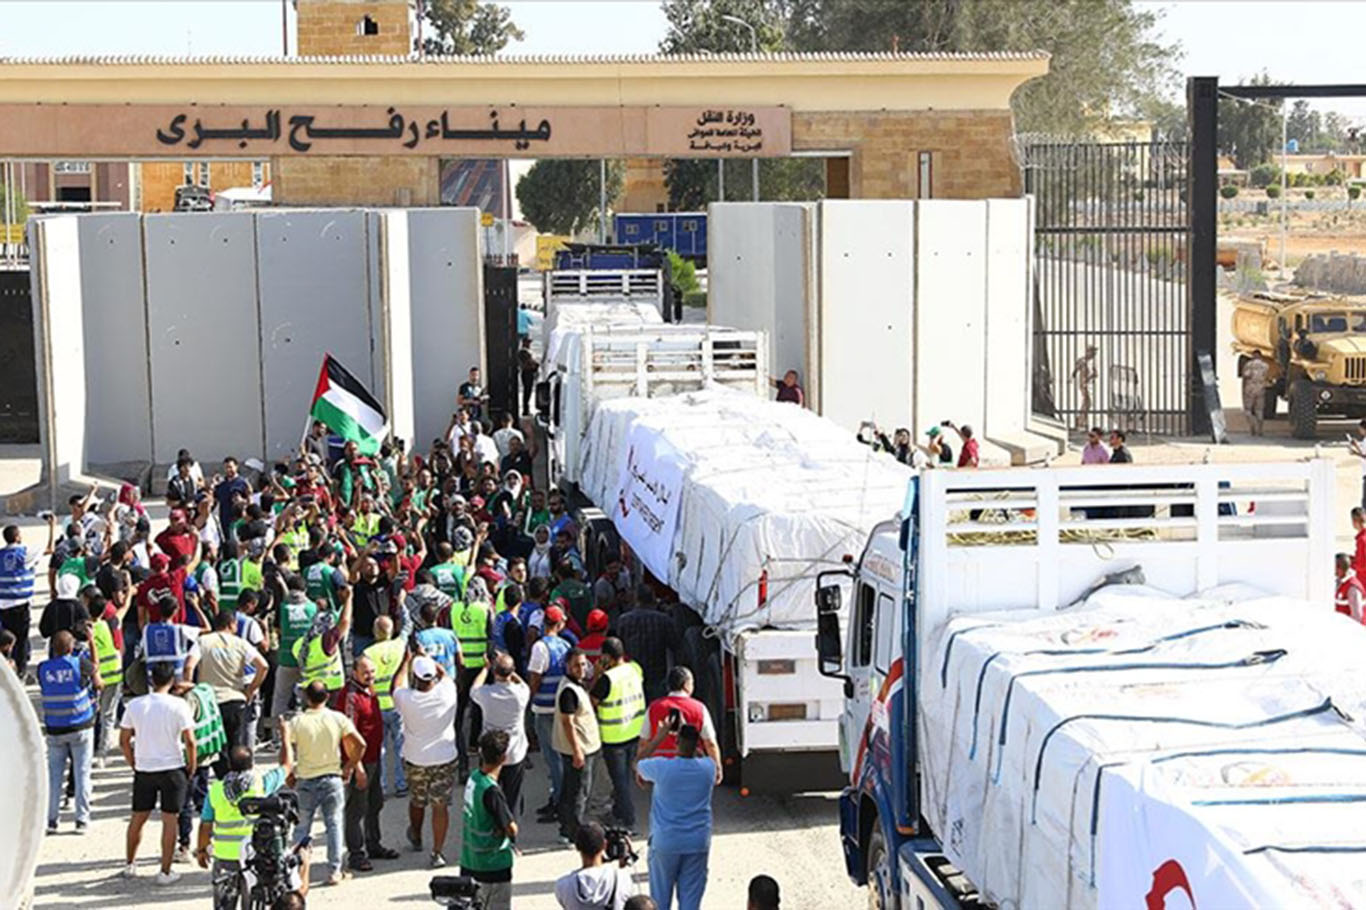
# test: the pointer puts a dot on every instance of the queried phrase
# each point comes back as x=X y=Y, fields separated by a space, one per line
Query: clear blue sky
x=1301 y=41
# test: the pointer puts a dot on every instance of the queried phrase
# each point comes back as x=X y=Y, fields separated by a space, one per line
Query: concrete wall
x=921 y=310
x=759 y=271
x=118 y=416
x=59 y=348
x=215 y=344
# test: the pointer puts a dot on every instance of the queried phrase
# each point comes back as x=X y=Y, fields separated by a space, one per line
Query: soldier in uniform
x=1255 y=372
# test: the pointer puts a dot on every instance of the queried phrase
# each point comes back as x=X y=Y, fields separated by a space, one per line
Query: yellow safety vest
x=470 y=623
x=318 y=664
x=230 y=826
x=386 y=656
x=107 y=657
x=364 y=527
x=622 y=713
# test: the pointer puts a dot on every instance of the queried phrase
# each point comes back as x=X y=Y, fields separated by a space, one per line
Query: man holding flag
x=348 y=409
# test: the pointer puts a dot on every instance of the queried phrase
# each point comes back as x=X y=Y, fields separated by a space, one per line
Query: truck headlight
x=1320 y=375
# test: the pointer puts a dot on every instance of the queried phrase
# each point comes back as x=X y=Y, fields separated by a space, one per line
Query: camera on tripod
x=619 y=849
x=270 y=859
x=459 y=891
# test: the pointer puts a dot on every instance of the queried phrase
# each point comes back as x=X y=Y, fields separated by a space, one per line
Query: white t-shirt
x=538 y=662
x=485 y=450
x=502 y=436
x=428 y=723
x=157 y=721
x=504 y=707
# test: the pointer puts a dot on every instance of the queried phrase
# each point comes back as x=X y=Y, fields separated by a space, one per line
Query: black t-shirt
x=602 y=687
x=1121 y=456
x=473 y=392
x=496 y=804
x=945 y=453
x=521 y=463
x=111 y=580
x=369 y=601
x=569 y=702
x=62 y=614
x=181 y=489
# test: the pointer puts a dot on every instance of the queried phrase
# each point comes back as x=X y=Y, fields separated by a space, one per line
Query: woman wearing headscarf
x=127 y=511
x=538 y=564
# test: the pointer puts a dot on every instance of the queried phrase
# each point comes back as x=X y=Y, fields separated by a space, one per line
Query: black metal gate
x=500 y=337
x=18 y=379
x=1112 y=329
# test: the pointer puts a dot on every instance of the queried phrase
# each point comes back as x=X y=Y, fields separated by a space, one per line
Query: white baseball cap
x=68 y=586
x=424 y=668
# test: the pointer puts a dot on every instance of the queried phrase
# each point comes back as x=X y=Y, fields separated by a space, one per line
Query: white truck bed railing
x=1041 y=538
x=569 y=285
x=683 y=358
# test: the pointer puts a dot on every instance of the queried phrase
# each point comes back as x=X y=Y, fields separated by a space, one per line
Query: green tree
x=560 y=195
x=1304 y=126
x=1250 y=130
x=21 y=211
x=465 y=27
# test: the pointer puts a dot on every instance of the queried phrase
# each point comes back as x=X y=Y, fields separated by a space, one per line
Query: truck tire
x=881 y=891
x=1304 y=418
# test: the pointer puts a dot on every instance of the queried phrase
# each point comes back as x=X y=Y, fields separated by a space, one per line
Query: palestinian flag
x=347 y=408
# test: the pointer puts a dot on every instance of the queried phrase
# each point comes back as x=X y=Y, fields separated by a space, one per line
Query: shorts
x=171 y=786
x=429 y=784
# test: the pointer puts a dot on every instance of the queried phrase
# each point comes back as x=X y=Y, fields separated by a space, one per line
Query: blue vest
x=550 y=680
x=500 y=623
x=16 y=578
x=242 y=620
x=164 y=642
x=441 y=646
x=66 y=702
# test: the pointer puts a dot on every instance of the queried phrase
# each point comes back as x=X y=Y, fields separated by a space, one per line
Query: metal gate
x=18 y=378
x=500 y=338
x=1112 y=330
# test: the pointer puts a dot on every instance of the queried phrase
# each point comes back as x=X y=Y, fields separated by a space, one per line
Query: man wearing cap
x=591 y=643
x=427 y=709
x=546 y=667
x=161 y=582
x=65 y=612
x=939 y=447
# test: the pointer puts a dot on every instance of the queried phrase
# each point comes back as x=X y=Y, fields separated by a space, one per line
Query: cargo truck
x=604 y=274
x=683 y=232
x=1100 y=687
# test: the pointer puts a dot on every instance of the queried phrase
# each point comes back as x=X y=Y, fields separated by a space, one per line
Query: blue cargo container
x=683 y=232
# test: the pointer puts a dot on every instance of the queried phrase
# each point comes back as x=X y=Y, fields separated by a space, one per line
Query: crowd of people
x=394 y=626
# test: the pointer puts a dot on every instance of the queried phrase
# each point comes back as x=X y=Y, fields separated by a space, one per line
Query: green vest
x=484 y=846
x=75 y=566
x=295 y=620
x=318 y=664
x=209 y=736
x=386 y=656
x=622 y=713
x=229 y=581
x=107 y=657
x=252 y=577
x=321 y=584
x=230 y=827
x=449 y=579
x=470 y=623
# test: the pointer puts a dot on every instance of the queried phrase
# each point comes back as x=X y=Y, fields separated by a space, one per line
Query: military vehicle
x=1316 y=348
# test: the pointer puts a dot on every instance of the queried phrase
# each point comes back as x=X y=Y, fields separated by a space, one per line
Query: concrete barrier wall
x=59 y=346
x=759 y=273
x=446 y=284
x=206 y=331
x=1010 y=259
x=118 y=413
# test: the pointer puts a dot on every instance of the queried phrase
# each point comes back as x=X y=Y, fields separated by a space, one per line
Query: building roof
x=530 y=59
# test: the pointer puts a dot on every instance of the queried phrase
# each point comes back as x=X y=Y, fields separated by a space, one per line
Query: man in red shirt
x=365 y=792
x=1351 y=594
x=968 y=455
x=160 y=583
x=180 y=541
x=690 y=711
x=591 y=644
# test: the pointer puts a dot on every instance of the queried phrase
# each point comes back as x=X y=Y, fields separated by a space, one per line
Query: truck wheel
x=1304 y=418
x=1269 y=405
x=881 y=892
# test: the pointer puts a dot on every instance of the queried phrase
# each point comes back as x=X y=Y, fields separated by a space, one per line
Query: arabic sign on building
x=187 y=131
x=648 y=494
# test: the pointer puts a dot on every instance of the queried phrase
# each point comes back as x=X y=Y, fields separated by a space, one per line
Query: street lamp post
x=754 y=48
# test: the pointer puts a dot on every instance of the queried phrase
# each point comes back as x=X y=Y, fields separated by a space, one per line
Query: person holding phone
x=673 y=711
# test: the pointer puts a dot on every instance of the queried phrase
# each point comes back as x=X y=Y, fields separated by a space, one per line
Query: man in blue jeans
x=69 y=685
x=680 y=816
x=320 y=737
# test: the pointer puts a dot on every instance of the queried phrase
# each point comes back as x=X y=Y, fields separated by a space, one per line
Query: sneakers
x=383 y=853
x=99 y=763
x=415 y=838
x=81 y=827
x=336 y=878
x=438 y=861
x=401 y=792
x=130 y=871
x=167 y=878
x=51 y=827
x=181 y=854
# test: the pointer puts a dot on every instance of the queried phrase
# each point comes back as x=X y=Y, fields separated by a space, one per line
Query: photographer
x=223 y=829
x=596 y=885
x=487 y=841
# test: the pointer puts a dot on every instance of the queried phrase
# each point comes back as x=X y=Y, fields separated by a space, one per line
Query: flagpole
x=308 y=424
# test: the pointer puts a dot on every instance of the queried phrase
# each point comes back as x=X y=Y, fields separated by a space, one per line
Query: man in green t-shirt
x=489 y=829
x=575 y=593
x=295 y=617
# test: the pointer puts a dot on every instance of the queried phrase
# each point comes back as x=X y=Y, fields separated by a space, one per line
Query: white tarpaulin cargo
x=570 y=318
x=767 y=487
x=1145 y=750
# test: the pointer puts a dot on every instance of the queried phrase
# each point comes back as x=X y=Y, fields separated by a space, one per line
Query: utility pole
x=284 y=28
x=720 y=180
x=754 y=49
x=1285 y=120
x=602 y=200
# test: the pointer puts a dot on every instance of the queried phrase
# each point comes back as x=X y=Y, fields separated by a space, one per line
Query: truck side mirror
x=828 y=644
x=543 y=398
x=828 y=601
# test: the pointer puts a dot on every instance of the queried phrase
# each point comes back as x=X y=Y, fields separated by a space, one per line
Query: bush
x=1353 y=192
x=1273 y=191
x=1228 y=192
x=1333 y=178
x=1264 y=175
x=682 y=273
x=695 y=299
x=1308 y=194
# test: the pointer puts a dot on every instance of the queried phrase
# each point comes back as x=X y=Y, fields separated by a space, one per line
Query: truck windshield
x=1358 y=321
x=1327 y=322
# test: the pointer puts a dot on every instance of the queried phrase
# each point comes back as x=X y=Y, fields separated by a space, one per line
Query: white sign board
x=645 y=509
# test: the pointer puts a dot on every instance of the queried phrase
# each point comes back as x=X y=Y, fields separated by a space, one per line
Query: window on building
x=367 y=26
x=188 y=173
x=688 y=226
x=925 y=183
x=204 y=174
x=258 y=174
